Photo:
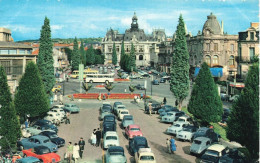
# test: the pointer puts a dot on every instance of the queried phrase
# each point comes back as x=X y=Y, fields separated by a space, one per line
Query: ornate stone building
x=146 y=46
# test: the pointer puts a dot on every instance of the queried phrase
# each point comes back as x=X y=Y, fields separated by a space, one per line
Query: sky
x=92 y=18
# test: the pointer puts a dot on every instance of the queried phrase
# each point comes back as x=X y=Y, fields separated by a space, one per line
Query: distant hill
x=70 y=40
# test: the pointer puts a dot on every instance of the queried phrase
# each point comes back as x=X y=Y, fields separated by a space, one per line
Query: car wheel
x=91 y=81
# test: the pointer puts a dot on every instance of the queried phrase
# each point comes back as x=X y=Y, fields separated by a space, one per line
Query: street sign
x=81 y=69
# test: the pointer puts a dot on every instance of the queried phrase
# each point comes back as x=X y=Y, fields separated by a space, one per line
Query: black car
x=136 y=143
x=146 y=75
x=46 y=124
x=54 y=138
x=109 y=118
x=155 y=108
x=108 y=126
x=232 y=157
x=139 y=86
x=162 y=80
x=206 y=132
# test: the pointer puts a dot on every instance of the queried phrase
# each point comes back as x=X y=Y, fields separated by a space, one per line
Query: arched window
x=207 y=59
x=141 y=57
x=231 y=60
x=215 y=60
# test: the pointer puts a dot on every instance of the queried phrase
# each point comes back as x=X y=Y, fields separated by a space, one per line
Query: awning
x=216 y=71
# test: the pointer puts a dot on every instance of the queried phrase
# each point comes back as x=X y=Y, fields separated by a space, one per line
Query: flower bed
x=120 y=80
x=100 y=86
x=111 y=96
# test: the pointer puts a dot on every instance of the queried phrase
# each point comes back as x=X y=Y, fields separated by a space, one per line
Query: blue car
x=155 y=82
x=115 y=154
x=136 y=143
x=37 y=140
x=167 y=107
x=28 y=160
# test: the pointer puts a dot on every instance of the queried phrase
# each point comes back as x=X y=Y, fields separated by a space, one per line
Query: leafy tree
x=132 y=64
x=90 y=56
x=131 y=88
x=82 y=53
x=122 y=56
x=30 y=97
x=179 y=83
x=109 y=87
x=114 y=55
x=243 y=125
x=45 y=58
x=75 y=55
x=205 y=103
x=10 y=126
x=68 y=51
x=86 y=87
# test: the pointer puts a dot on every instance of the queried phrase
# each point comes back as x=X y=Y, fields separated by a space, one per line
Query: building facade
x=146 y=46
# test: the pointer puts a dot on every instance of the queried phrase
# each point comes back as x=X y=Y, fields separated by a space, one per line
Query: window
x=215 y=60
x=207 y=47
x=21 y=51
x=3 y=51
x=207 y=59
x=232 y=47
x=231 y=60
x=12 y=52
x=215 y=47
x=141 y=57
x=252 y=36
x=110 y=49
x=7 y=66
x=252 y=53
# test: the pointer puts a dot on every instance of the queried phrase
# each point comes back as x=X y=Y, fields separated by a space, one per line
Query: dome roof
x=134 y=17
x=212 y=24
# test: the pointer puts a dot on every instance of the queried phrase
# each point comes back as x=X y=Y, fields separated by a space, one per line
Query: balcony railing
x=239 y=78
x=242 y=59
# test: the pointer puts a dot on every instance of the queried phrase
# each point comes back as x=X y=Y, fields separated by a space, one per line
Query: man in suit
x=98 y=135
x=81 y=147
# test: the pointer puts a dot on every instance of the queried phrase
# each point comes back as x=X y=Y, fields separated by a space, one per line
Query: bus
x=100 y=78
x=75 y=73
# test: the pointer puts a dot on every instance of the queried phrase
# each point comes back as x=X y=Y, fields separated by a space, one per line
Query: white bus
x=100 y=78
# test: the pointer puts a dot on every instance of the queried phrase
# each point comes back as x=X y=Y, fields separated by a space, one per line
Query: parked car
x=56 y=88
x=184 y=118
x=108 y=126
x=213 y=153
x=25 y=133
x=233 y=156
x=167 y=77
x=35 y=130
x=136 y=143
x=54 y=117
x=57 y=106
x=224 y=96
x=186 y=133
x=115 y=154
x=58 y=110
x=110 y=118
x=155 y=82
x=104 y=113
x=146 y=75
x=199 y=145
x=162 y=80
x=110 y=139
x=118 y=108
x=37 y=140
x=72 y=108
x=28 y=160
x=54 y=138
x=207 y=132
x=42 y=153
x=106 y=106
x=115 y=105
x=145 y=155
x=122 y=113
x=132 y=131
x=176 y=127
x=172 y=116
x=140 y=87
x=44 y=122
x=167 y=108
x=127 y=120
x=155 y=108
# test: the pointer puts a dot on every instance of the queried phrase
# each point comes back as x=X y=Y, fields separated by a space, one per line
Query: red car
x=42 y=153
x=132 y=131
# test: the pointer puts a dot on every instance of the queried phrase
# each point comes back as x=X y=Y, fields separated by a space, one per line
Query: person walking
x=69 y=152
x=75 y=152
x=98 y=137
x=173 y=145
x=150 y=109
x=93 y=138
x=81 y=147
x=67 y=120
x=168 y=145
x=164 y=101
x=26 y=123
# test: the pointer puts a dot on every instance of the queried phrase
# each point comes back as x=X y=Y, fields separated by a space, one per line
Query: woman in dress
x=93 y=138
x=173 y=145
x=76 y=152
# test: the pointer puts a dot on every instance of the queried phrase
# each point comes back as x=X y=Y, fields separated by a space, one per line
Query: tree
x=86 y=87
x=45 y=58
x=75 y=55
x=114 y=55
x=68 y=51
x=132 y=64
x=122 y=56
x=243 y=125
x=131 y=88
x=180 y=83
x=30 y=97
x=205 y=103
x=10 y=126
x=90 y=56
x=82 y=53
x=109 y=87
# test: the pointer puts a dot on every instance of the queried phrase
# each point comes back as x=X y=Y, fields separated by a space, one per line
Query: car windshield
x=117 y=153
x=187 y=129
x=181 y=120
x=43 y=151
x=169 y=114
x=201 y=132
x=177 y=125
x=121 y=107
x=212 y=153
x=197 y=142
x=124 y=112
x=128 y=118
x=46 y=141
x=147 y=158
x=111 y=138
x=135 y=129
x=53 y=136
x=110 y=119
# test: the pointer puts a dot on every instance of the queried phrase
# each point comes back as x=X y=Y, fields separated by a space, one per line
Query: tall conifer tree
x=82 y=53
x=9 y=123
x=45 y=58
x=114 y=55
x=75 y=55
x=180 y=83
x=132 y=64
x=92 y=55
x=122 y=56
x=243 y=125
x=205 y=103
x=30 y=97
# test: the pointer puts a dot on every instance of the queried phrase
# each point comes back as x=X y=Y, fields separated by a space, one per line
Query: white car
x=118 y=108
x=54 y=117
x=58 y=110
x=183 y=119
x=110 y=139
x=58 y=106
x=176 y=127
x=122 y=113
x=186 y=133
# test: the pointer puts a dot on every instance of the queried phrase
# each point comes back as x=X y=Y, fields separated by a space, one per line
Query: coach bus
x=100 y=78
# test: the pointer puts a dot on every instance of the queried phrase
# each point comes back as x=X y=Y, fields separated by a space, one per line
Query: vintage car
x=122 y=113
x=56 y=88
x=132 y=131
x=127 y=120
x=54 y=138
x=166 y=108
x=28 y=160
x=106 y=106
x=199 y=145
x=57 y=106
x=110 y=139
x=108 y=126
x=115 y=154
x=176 y=127
x=115 y=105
x=110 y=118
x=54 y=117
x=140 y=87
x=136 y=143
x=213 y=153
x=59 y=111
x=155 y=108
x=35 y=130
x=187 y=133
x=234 y=156
x=44 y=122
x=145 y=155
x=184 y=118
x=72 y=108
x=155 y=82
x=118 y=108
x=25 y=133
x=171 y=116
x=37 y=140
x=162 y=80
x=207 y=132
x=104 y=113
x=42 y=153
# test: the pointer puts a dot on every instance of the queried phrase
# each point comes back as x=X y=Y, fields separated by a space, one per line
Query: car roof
x=127 y=116
x=49 y=132
x=115 y=148
x=41 y=137
x=217 y=147
x=202 y=138
x=111 y=133
x=109 y=115
x=203 y=129
x=134 y=126
x=40 y=147
x=120 y=105
x=141 y=138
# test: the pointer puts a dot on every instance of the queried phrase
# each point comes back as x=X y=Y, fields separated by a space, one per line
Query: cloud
x=56 y=27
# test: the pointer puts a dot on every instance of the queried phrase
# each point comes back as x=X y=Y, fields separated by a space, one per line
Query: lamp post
x=145 y=86
x=152 y=86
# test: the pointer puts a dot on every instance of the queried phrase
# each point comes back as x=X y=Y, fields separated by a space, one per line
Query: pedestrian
x=93 y=137
x=67 y=120
x=125 y=90
x=26 y=123
x=81 y=147
x=75 y=152
x=173 y=145
x=176 y=103
x=72 y=98
x=168 y=145
x=104 y=97
x=69 y=152
x=55 y=99
x=67 y=77
x=61 y=98
x=150 y=109
x=164 y=101
x=141 y=96
x=98 y=137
